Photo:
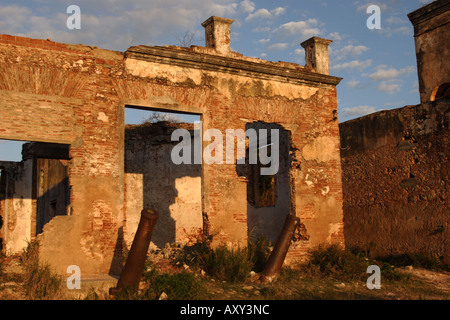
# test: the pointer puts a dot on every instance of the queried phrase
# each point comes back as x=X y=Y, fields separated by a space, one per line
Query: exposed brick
x=8 y=37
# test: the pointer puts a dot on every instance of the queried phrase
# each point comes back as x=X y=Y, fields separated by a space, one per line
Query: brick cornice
x=218 y=63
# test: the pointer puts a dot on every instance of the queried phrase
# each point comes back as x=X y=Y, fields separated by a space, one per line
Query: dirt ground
x=421 y=284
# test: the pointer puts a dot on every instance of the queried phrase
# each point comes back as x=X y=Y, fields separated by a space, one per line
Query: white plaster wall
x=18 y=209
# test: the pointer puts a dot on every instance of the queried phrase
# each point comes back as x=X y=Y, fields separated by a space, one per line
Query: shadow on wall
x=152 y=180
x=268 y=196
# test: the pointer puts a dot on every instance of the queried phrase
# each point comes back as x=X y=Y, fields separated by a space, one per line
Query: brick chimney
x=217 y=34
x=316 y=54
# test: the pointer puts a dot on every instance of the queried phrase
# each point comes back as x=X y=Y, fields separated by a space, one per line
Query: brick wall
x=76 y=95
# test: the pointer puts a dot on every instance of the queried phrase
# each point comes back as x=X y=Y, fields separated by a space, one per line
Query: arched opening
x=440 y=92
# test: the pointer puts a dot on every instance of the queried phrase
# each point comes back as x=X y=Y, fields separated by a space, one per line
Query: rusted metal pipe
x=278 y=254
x=134 y=266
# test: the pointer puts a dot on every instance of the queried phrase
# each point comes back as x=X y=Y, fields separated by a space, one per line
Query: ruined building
x=82 y=199
x=395 y=163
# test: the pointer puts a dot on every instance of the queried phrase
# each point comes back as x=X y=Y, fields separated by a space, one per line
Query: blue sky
x=378 y=67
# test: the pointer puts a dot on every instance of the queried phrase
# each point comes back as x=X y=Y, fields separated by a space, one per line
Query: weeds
x=222 y=263
x=259 y=252
x=177 y=286
x=228 y=265
x=40 y=282
x=336 y=262
x=416 y=260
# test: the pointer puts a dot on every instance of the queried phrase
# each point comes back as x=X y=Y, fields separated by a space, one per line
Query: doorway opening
x=152 y=180
x=268 y=195
x=34 y=187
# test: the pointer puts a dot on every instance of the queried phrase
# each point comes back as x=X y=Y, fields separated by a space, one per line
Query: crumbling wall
x=76 y=95
x=396 y=180
x=229 y=93
x=58 y=93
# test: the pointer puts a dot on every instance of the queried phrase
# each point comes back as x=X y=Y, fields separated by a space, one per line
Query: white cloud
x=389 y=86
x=354 y=64
x=335 y=36
x=259 y=14
x=357 y=111
x=263 y=13
x=296 y=27
x=278 y=46
x=115 y=26
x=363 y=7
x=263 y=41
x=278 y=11
x=299 y=51
x=261 y=29
x=353 y=50
x=395 y=20
x=354 y=84
x=247 y=6
x=389 y=73
x=301 y=29
x=401 y=30
x=349 y=50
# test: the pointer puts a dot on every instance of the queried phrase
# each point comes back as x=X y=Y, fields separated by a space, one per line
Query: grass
x=331 y=273
x=176 y=286
x=39 y=281
x=221 y=264
x=417 y=260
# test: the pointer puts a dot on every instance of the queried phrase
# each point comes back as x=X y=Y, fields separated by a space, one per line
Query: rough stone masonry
x=75 y=95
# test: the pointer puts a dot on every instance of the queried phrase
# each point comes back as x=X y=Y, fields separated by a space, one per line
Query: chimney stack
x=217 y=34
x=316 y=54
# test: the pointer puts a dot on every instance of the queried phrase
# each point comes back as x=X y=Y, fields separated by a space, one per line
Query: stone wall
x=396 y=167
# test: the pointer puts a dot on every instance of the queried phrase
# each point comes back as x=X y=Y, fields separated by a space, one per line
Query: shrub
x=222 y=263
x=225 y=264
x=259 y=252
x=336 y=262
x=177 y=286
x=389 y=273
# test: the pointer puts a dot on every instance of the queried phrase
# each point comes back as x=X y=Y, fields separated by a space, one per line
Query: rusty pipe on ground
x=278 y=254
x=134 y=266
